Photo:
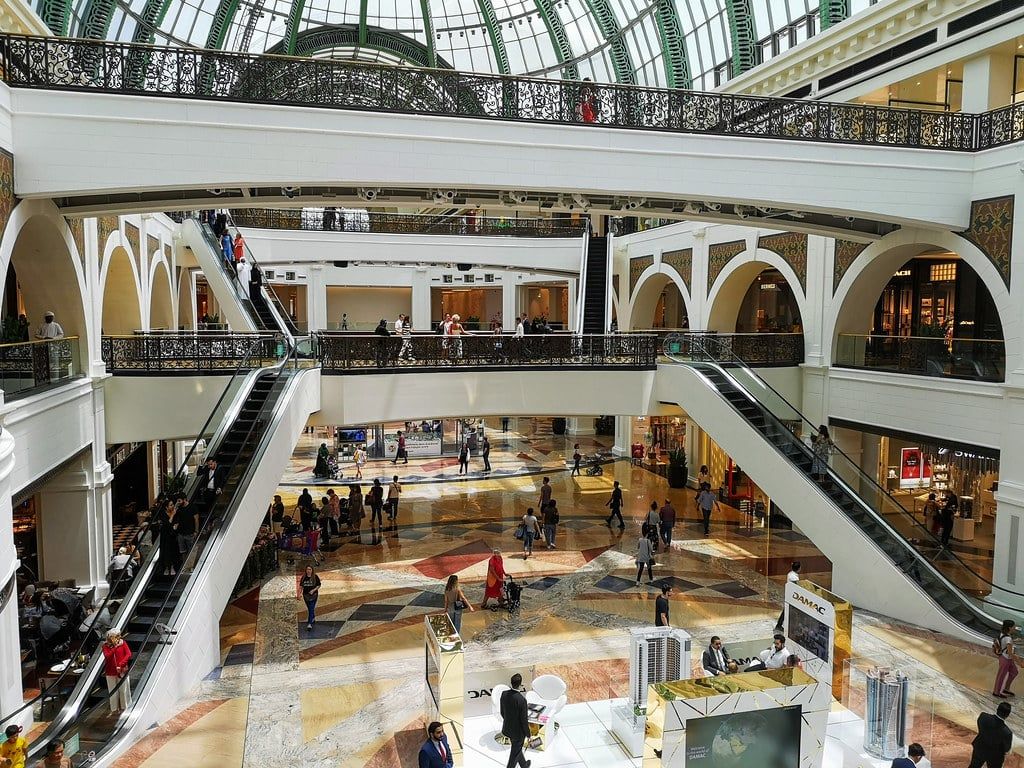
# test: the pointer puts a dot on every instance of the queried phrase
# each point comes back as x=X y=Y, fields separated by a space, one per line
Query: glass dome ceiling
x=676 y=43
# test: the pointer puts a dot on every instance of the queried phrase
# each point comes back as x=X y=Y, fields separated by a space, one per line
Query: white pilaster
x=420 y=312
x=579 y=425
x=623 y=433
x=988 y=82
x=10 y=648
x=316 y=298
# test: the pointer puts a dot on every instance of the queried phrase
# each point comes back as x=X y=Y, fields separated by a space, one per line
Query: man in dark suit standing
x=515 y=724
x=435 y=752
x=211 y=482
x=715 y=659
x=994 y=738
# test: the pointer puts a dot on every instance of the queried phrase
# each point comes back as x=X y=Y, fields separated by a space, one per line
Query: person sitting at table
x=715 y=659
x=772 y=658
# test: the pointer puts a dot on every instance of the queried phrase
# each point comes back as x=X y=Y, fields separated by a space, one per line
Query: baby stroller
x=595 y=469
x=513 y=595
x=331 y=472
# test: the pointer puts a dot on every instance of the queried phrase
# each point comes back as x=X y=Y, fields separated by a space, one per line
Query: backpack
x=997 y=646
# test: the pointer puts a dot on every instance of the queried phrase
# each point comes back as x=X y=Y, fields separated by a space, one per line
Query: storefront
x=769 y=306
x=26 y=545
x=667 y=433
x=423 y=439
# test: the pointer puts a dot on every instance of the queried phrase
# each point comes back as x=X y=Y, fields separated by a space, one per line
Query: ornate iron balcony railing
x=761 y=350
x=145 y=70
x=336 y=220
x=187 y=353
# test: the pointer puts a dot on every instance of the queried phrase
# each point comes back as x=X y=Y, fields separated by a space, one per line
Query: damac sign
x=809 y=603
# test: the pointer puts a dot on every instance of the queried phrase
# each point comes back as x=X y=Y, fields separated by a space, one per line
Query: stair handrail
x=130 y=601
x=704 y=342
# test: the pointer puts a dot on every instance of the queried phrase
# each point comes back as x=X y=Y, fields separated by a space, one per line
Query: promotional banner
x=480 y=683
x=915 y=469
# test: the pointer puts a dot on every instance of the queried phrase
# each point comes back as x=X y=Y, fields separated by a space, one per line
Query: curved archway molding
x=731 y=284
x=59 y=280
x=867 y=275
x=121 y=294
x=161 y=307
x=644 y=297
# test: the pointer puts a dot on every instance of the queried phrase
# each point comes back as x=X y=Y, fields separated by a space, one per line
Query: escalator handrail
x=206 y=230
x=702 y=343
x=209 y=526
x=139 y=583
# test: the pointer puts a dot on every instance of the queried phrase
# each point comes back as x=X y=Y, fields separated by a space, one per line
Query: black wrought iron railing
x=186 y=353
x=337 y=220
x=761 y=350
x=146 y=70
x=342 y=353
x=32 y=366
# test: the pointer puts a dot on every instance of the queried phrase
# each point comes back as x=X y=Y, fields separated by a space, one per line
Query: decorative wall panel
x=7 y=198
x=682 y=262
x=77 y=227
x=992 y=231
x=636 y=268
x=792 y=247
x=847 y=252
x=107 y=226
x=132 y=233
x=152 y=246
x=719 y=255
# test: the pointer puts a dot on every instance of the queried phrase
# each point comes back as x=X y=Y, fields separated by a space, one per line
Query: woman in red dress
x=495 y=578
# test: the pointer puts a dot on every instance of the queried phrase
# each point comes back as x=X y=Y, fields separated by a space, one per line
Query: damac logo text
x=810 y=604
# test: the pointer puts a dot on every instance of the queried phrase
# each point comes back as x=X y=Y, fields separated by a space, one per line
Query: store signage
x=807 y=602
x=903 y=273
x=480 y=683
x=915 y=468
x=769 y=287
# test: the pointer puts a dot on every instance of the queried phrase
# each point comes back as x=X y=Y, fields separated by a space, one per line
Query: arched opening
x=659 y=304
x=161 y=300
x=41 y=277
x=756 y=297
x=922 y=310
x=122 y=313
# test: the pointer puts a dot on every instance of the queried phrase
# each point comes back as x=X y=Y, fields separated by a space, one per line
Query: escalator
x=167 y=619
x=911 y=577
x=595 y=287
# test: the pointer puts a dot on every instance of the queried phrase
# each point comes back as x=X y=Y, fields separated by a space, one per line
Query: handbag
x=520 y=531
x=460 y=605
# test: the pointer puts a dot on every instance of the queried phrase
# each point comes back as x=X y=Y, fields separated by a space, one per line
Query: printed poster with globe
x=761 y=739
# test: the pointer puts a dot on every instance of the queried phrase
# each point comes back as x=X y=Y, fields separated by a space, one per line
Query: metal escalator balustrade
x=960 y=590
x=233 y=435
x=596 y=287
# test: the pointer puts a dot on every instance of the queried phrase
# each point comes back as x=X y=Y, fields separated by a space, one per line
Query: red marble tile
x=454 y=560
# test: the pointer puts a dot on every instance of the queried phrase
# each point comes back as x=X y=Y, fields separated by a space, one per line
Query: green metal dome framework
x=665 y=43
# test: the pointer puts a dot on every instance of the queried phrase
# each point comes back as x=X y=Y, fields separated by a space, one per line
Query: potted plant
x=677 y=468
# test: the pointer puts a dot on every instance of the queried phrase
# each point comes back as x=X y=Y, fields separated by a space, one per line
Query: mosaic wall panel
x=167 y=253
x=636 y=268
x=719 y=255
x=682 y=262
x=7 y=198
x=792 y=247
x=992 y=231
x=132 y=232
x=107 y=225
x=847 y=252
x=77 y=227
x=152 y=246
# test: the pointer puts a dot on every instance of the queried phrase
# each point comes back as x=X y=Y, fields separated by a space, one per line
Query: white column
x=420 y=312
x=988 y=82
x=10 y=647
x=692 y=449
x=579 y=425
x=570 y=320
x=699 y=281
x=623 y=435
x=1008 y=566
x=316 y=298
x=509 y=301
x=68 y=527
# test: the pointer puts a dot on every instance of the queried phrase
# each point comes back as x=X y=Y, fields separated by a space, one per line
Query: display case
x=444 y=676
x=940 y=476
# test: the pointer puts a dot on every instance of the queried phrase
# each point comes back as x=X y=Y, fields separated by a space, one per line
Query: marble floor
x=350 y=693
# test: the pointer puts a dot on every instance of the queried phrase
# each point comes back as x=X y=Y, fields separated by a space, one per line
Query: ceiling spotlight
x=216 y=191
x=580 y=200
x=290 y=192
x=442 y=196
x=516 y=198
x=633 y=203
x=369 y=194
x=713 y=206
x=743 y=211
x=694 y=209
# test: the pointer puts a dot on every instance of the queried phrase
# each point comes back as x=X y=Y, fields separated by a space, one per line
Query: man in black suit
x=211 y=483
x=715 y=659
x=515 y=724
x=994 y=739
x=435 y=752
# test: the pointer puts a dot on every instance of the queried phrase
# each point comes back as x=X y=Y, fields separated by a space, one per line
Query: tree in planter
x=677 y=468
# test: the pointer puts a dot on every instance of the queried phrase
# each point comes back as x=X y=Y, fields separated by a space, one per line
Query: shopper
x=116 y=655
x=703 y=476
x=550 y=515
x=515 y=723
x=994 y=739
x=931 y=512
x=394 y=492
x=915 y=753
x=310 y=584
x=822 y=446
x=400 y=449
x=948 y=516
x=435 y=751
x=668 y=522
x=485 y=453
x=375 y=498
x=644 y=558
x=545 y=493
x=464 y=459
x=238 y=247
x=791 y=578
x=715 y=659
x=359 y=458
x=50 y=329
x=1007 y=660
x=706 y=502
x=403 y=327
x=531 y=531
x=615 y=505
x=576 y=458
x=661 y=606
x=495 y=578
x=651 y=526
x=14 y=750
x=54 y=757
x=455 y=602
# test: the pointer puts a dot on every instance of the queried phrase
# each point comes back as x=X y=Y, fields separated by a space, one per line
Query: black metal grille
x=144 y=70
x=186 y=353
x=335 y=220
x=766 y=350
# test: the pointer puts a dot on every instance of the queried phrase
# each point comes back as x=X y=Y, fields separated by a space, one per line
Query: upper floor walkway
x=211 y=127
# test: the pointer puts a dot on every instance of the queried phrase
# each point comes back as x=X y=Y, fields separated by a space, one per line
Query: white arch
x=153 y=300
x=648 y=280
x=71 y=302
x=733 y=281
x=117 y=241
x=874 y=267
